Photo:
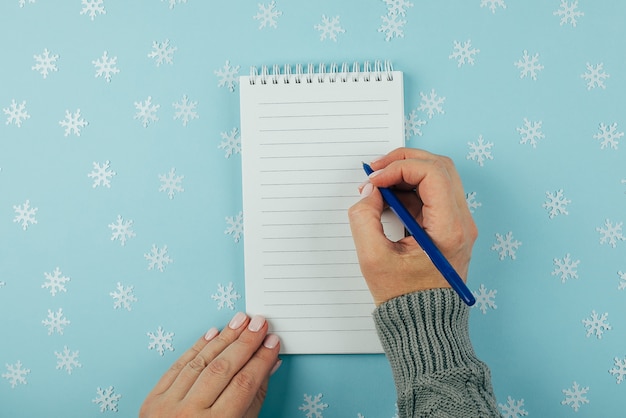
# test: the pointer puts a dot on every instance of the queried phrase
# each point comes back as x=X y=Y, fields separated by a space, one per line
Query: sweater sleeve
x=425 y=336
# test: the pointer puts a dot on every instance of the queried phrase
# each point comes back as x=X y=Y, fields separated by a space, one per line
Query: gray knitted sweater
x=437 y=374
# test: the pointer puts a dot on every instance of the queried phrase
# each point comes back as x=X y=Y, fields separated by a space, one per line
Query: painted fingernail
x=276 y=367
x=237 y=320
x=271 y=341
x=256 y=323
x=210 y=334
x=367 y=190
x=376 y=173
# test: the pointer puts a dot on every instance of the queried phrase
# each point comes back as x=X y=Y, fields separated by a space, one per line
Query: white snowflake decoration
x=160 y=341
x=171 y=183
x=228 y=76
x=556 y=204
x=313 y=406
x=231 y=142
x=106 y=399
x=268 y=15
x=16 y=374
x=158 y=258
x=105 y=67
x=25 y=215
x=480 y=151
x=162 y=52
x=611 y=233
x=431 y=104
x=185 y=110
x=172 y=3
x=22 y=3
x=529 y=66
x=16 y=114
x=226 y=296
x=566 y=268
x=619 y=371
x=101 y=174
x=513 y=408
x=93 y=8
x=485 y=299
x=622 y=280
x=330 y=28
x=67 y=360
x=392 y=26
x=608 y=136
x=122 y=230
x=397 y=7
x=123 y=297
x=492 y=4
x=506 y=245
x=472 y=204
x=55 y=322
x=73 y=123
x=55 y=281
x=595 y=76
x=596 y=325
x=412 y=125
x=45 y=63
x=235 y=226
x=146 y=112
x=464 y=53
x=568 y=12
x=530 y=133
x=575 y=396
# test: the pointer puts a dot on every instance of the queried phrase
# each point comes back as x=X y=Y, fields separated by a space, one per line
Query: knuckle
x=198 y=363
x=219 y=367
x=246 y=381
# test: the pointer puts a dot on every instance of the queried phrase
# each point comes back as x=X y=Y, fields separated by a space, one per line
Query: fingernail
x=367 y=190
x=375 y=173
x=237 y=320
x=210 y=334
x=276 y=367
x=256 y=324
x=271 y=341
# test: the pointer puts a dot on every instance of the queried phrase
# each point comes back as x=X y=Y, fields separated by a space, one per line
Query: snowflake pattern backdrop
x=120 y=218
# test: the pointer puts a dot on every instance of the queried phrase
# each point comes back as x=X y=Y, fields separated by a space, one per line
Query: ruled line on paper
x=309 y=102
x=351 y=128
x=338 y=115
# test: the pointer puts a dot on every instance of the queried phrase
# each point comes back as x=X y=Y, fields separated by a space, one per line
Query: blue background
x=531 y=332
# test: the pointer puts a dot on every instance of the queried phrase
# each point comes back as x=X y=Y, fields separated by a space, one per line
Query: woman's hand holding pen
x=437 y=200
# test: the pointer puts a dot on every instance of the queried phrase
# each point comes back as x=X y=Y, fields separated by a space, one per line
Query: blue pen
x=424 y=241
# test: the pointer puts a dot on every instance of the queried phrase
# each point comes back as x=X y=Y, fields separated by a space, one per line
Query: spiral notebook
x=304 y=133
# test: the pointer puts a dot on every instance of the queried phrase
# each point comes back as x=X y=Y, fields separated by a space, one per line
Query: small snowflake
x=568 y=12
x=123 y=297
x=313 y=406
x=472 y=204
x=622 y=280
x=172 y=3
x=574 y=397
x=556 y=203
x=227 y=76
x=330 y=28
x=596 y=325
x=619 y=371
x=73 y=123
x=595 y=76
x=146 y=111
x=530 y=133
x=397 y=7
x=162 y=52
x=92 y=7
x=608 y=136
x=611 y=233
x=431 y=104
x=55 y=322
x=25 y=215
x=15 y=374
x=105 y=66
x=226 y=296
x=45 y=63
x=171 y=183
x=231 y=142
x=67 y=360
x=392 y=26
x=185 y=110
x=513 y=408
x=492 y=4
x=158 y=258
x=16 y=114
x=566 y=268
x=121 y=230
x=55 y=281
x=106 y=399
x=529 y=65
x=506 y=245
x=464 y=53
x=22 y=3
x=485 y=298
x=235 y=226
x=160 y=341
x=101 y=174
x=412 y=125
x=480 y=151
x=268 y=15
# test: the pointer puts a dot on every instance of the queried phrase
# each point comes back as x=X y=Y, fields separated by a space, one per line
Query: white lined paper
x=302 y=147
